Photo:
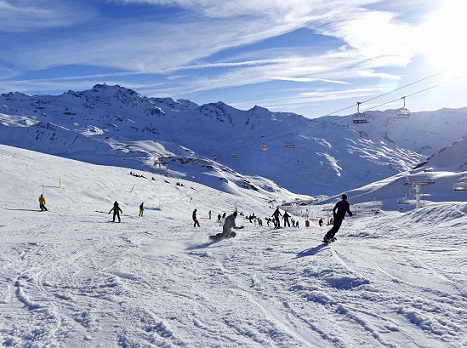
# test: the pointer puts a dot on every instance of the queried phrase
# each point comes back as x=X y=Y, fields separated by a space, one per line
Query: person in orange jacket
x=42 y=202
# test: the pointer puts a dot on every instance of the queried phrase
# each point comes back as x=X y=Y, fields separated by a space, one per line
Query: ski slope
x=71 y=278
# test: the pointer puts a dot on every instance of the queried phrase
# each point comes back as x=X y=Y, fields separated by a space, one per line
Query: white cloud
x=290 y=10
x=25 y=15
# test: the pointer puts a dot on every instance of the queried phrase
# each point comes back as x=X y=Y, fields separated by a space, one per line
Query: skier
x=195 y=219
x=141 y=209
x=342 y=207
x=277 y=223
x=320 y=222
x=227 y=228
x=116 y=209
x=42 y=202
x=285 y=217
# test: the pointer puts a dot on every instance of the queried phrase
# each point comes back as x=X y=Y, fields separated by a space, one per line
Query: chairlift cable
x=420 y=91
x=378 y=96
x=398 y=88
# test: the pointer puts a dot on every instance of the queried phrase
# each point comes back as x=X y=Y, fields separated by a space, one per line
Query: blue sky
x=311 y=57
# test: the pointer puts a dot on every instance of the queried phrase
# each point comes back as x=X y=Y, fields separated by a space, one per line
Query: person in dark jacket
x=276 y=214
x=195 y=219
x=116 y=209
x=338 y=212
x=285 y=217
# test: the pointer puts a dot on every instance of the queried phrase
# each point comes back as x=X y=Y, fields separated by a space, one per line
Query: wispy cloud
x=25 y=15
x=155 y=47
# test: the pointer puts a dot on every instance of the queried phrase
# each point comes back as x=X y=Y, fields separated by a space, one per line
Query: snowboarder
x=227 y=228
x=42 y=202
x=195 y=219
x=116 y=209
x=338 y=212
x=141 y=209
x=320 y=222
x=276 y=214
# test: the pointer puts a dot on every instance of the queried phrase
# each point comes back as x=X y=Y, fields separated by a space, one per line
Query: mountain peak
x=112 y=88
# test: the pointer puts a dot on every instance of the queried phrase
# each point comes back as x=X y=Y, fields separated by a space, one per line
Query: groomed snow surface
x=71 y=278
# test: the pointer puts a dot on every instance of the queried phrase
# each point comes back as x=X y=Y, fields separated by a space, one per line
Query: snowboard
x=332 y=240
x=217 y=237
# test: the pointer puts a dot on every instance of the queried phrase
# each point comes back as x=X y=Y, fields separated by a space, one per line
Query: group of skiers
x=276 y=220
x=228 y=223
x=117 y=210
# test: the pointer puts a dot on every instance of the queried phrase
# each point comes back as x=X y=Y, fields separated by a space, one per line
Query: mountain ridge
x=114 y=125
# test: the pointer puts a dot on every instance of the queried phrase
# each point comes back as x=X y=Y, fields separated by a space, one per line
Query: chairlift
x=264 y=147
x=214 y=158
x=461 y=185
x=289 y=144
x=421 y=179
x=403 y=201
x=376 y=205
x=359 y=117
x=403 y=112
x=234 y=157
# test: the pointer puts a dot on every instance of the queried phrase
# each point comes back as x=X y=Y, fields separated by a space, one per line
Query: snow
x=71 y=278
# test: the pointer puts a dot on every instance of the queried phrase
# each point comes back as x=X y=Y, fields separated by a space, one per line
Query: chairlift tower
x=418 y=183
x=163 y=164
x=418 y=194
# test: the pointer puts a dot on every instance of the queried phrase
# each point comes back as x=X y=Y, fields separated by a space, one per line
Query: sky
x=311 y=57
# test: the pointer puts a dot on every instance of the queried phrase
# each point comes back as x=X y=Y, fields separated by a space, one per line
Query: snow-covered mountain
x=452 y=157
x=113 y=125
